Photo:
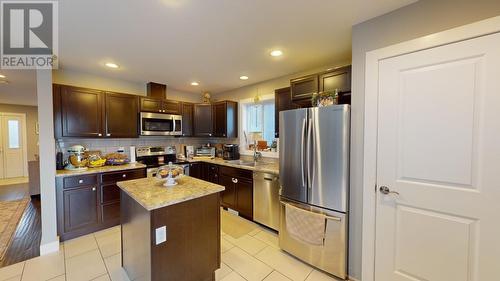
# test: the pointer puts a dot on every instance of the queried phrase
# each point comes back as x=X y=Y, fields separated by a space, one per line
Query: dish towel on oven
x=305 y=226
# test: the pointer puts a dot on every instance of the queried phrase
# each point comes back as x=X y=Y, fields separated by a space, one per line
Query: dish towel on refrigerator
x=305 y=226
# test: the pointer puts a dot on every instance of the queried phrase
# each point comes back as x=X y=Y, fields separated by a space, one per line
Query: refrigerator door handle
x=309 y=145
x=302 y=152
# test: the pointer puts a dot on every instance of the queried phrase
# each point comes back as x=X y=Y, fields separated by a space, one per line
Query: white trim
x=465 y=32
x=49 y=248
x=24 y=132
x=350 y=278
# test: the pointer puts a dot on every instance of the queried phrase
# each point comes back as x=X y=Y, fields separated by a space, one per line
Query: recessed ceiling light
x=2 y=76
x=276 y=53
x=111 y=65
x=195 y=83
x=243 y=77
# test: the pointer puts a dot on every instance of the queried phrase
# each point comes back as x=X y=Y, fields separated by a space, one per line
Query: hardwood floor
x=26 y=240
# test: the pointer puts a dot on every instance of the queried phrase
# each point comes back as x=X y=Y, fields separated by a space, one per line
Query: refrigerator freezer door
x=328 y=157
x=293 y=179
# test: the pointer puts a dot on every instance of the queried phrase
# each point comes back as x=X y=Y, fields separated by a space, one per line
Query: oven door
x=156 y=124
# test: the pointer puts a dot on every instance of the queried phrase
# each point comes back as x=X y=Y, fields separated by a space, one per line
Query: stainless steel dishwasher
x=266 y=201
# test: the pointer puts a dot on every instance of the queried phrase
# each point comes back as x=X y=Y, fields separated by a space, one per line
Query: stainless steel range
x=156 y=156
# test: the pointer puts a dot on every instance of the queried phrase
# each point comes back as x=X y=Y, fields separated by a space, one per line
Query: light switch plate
x=161 y=235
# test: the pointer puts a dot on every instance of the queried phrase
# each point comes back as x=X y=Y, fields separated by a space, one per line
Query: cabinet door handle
x=124 y=175
x=99 y=135
x=93 y=188
x=80 y=181
x=108 y=135
x=235 y=180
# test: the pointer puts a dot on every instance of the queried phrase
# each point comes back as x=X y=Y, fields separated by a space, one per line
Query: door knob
x=385 y=190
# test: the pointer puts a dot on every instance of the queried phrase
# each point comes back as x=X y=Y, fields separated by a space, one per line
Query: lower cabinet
x=80 y=210
x=88 y=203
x=238 y=194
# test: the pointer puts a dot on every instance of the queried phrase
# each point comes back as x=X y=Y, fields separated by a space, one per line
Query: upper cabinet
x=187 y=119
x=225 y=119
x=339 y=79
x=81 y=112
x=121 y=122
x=303 y=88
x=202 y=117
x=282 y=101
x=78 y=112
x=160 y=106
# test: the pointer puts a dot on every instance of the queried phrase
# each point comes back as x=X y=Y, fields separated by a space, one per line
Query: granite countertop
x=103 y=169
x=151 y=194
x=264 y=165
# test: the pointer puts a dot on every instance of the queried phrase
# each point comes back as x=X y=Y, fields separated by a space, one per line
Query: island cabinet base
x=191 y=251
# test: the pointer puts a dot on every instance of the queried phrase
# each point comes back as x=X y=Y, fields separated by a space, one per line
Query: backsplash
x=112 y=145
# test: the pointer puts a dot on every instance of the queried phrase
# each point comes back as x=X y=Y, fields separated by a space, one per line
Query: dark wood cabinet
x=121 y=122
x=151 y=105
x=228 y=196
x=202 y=117
x=160 y=106
x=339 y=79
x=244 y=198
x=212 y=173
x=282 y=101
x=225 y=119
x=304 y=87
x=89 y=113
x=196 y=170
x=80 y=208
x=171 y=107
x=187 y=119
x=80 y=112
x=239 y=190
x=89 y=203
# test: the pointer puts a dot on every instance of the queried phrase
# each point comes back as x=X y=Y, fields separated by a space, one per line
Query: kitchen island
x=170 y=233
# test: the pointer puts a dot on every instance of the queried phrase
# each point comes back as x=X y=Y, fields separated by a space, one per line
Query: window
x=13 y=133
x=257 y=123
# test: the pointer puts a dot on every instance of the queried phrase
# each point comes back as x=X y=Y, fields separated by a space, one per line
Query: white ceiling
x=210 y=41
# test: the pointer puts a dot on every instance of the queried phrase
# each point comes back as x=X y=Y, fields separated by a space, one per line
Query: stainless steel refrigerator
x=314 y=176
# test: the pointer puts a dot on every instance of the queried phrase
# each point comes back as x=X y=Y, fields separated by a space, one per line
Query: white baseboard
x=50 y=247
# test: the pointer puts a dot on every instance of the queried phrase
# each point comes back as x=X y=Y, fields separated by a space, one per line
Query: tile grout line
x=22 y=271
x=100 y=253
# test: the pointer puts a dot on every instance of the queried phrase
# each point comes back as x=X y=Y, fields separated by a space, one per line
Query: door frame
x=372 y=59
x=24 y=132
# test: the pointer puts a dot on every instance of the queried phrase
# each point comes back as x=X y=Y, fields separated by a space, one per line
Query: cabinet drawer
x=77 y=181
x=236 y=173
x=123 y=175
x=110 y=193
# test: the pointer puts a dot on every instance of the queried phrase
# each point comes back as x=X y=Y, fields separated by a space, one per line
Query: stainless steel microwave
x=158 y=124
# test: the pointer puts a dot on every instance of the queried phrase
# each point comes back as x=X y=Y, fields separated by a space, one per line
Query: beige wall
x=410 y=22
x=31 y=120
x=268 y=87
x=82 y=79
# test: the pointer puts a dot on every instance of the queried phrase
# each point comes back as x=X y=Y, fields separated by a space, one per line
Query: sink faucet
x=256 y=155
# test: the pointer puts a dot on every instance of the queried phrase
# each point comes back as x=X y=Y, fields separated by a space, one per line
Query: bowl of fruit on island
x=170 y=173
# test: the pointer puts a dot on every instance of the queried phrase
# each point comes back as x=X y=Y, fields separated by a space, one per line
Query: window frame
x=242 y=120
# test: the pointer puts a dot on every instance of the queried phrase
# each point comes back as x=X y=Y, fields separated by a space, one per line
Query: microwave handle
x=173 y=122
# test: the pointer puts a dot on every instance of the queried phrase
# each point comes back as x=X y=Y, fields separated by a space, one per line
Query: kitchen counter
x=265 y=165
x=103 y=169
x=151 y=194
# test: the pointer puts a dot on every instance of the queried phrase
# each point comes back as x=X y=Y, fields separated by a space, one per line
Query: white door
x=12 y=154
x=439 y=148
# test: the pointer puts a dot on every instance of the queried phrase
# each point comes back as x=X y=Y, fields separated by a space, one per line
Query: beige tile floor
x=251 y=255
